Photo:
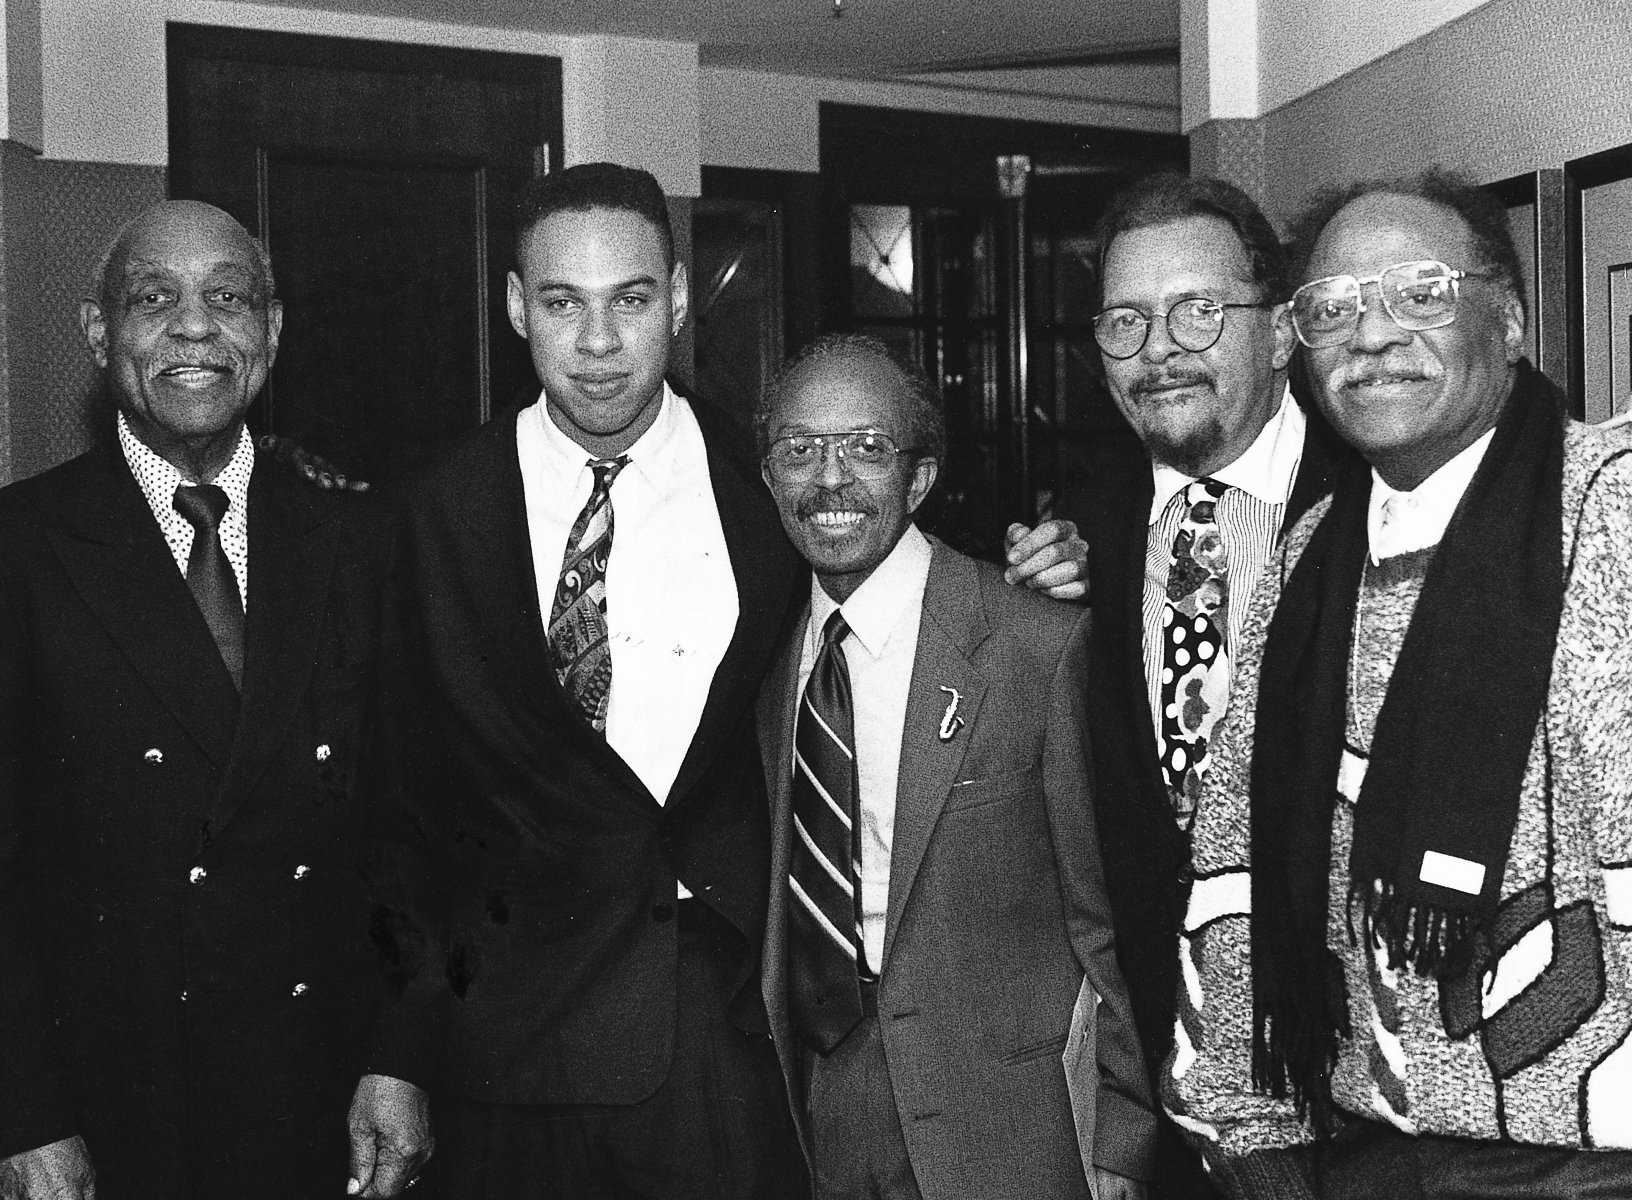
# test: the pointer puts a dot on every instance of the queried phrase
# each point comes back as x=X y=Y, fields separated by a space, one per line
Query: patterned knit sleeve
x=1207 y=1080
x=1593 y=747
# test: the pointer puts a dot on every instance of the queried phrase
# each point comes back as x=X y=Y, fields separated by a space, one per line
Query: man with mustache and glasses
x=1195 y=353
x=572 y=888
x=1408 y=957
x=938 y=929
x=185 y=633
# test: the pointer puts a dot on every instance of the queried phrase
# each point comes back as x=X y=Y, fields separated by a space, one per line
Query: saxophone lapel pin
x=950 y=721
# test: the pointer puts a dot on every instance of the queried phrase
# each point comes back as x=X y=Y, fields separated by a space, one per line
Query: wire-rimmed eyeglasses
x=1417 y=295
x=798 y=457
x=1194 y=324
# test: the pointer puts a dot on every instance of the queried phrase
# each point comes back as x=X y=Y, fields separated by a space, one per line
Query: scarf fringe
x=1434 y=942
x=1294 y=1055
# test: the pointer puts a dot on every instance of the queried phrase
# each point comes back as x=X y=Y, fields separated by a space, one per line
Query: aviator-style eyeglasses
x=1195 y=324
x=798 y=458
x=1416 y=295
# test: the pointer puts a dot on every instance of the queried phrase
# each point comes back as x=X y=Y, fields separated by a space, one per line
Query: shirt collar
x=1265 y=470
x=651 y=455
x=875 y=608
x=159 y=478
x=1400 y=522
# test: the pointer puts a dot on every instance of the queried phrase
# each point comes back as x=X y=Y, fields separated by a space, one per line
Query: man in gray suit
x=938 y=928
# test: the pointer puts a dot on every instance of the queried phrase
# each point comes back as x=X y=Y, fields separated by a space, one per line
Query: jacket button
x=153 y=757
x=662 y=912
x=302 y=871
x=299 y=989
x=1186 y=873
x=196 y=875
x=323 y=752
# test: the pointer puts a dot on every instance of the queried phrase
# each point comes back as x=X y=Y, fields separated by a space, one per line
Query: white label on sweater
x=1449 y=871
x=1618 y=894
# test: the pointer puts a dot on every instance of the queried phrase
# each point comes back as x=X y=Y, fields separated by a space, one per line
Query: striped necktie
x=1195 y=657
x=824 y=876
x=578 y=634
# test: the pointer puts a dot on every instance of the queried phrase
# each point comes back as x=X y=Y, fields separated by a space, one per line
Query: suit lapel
x=1125 y=630
x=113 y=551
x=952 y=627
x=762 y=564
x=503 y=587
x=778 y=709
x=293 y=542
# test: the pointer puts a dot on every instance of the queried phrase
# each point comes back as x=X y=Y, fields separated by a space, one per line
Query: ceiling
x=876 y=39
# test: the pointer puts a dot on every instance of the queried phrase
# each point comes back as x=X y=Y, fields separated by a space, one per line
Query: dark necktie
x=578 y=639
x=824 y=871
x=210 y=576
x=1195 y=659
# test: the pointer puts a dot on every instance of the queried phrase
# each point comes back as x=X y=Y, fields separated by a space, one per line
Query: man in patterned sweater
x=1407 y=959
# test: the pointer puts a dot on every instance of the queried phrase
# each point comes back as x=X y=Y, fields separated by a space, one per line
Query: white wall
x=1305 y=44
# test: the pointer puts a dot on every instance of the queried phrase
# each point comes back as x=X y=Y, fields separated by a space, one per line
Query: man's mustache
x=1359 y=374
x=1170 y=379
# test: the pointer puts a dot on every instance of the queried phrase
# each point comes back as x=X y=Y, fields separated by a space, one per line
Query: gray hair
x=926 y=422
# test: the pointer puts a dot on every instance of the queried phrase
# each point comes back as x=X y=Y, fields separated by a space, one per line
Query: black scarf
x=1448 y=754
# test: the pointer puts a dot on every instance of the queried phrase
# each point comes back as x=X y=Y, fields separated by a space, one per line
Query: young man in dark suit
x=572 y=895
x=1195 y=348
x=939 y=965
x=185 y=636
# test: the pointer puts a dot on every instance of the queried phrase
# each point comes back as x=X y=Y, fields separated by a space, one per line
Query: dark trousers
x=719 y=1128
x=855 y=1129
x=1368 y=1159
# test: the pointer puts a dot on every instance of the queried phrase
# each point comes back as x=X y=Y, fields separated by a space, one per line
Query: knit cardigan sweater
x=1535 y=1049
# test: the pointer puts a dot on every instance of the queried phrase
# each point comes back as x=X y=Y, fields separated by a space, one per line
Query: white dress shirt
x=671 y=597
x=1249 y=524
x=159 y=481
x=1400 y=522
x=883 y=615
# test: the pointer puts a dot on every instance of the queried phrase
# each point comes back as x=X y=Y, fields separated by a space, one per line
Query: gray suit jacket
x=997 y=910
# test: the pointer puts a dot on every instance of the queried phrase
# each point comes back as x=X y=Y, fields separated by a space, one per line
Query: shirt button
x=196 y=875
x=323 y=752
x=662 y=912
x=153 y=757
x=302 y=872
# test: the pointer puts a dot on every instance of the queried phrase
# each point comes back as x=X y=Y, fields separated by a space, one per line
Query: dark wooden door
x=383 y=179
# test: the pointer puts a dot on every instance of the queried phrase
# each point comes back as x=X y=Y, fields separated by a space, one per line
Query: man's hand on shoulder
x=60 y=1171
x=313 y=468
x=1050 y=559
x=391 y=1140
x=1112 y=1186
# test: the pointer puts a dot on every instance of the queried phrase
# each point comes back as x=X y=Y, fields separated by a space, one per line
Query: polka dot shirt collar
x=159 y=480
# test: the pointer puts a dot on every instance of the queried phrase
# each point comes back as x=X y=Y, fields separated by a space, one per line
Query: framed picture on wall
x=1535 y=205
x=1598 y=210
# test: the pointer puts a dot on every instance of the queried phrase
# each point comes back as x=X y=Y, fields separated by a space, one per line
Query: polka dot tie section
x=1195 y=659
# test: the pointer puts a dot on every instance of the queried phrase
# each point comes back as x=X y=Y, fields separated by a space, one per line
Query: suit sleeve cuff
x=1282 y=1174
x=1124 y=1136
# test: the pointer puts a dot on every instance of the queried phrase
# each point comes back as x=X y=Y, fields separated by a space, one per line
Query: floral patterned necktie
x=578 y=634
x=1195 y=659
